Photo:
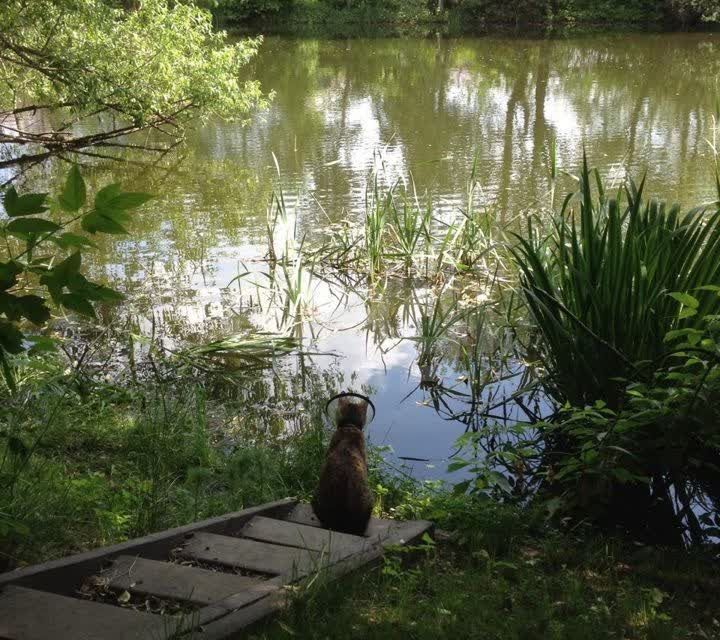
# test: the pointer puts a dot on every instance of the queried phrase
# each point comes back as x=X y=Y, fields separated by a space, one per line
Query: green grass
x=80 y=470
x=499 y=578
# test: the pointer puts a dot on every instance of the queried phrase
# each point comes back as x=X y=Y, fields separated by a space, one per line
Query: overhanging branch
x=56 y=142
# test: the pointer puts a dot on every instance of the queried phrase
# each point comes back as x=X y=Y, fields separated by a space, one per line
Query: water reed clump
x=608 y=282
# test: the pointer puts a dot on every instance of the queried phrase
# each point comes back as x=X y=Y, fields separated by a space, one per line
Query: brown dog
x=343 y=501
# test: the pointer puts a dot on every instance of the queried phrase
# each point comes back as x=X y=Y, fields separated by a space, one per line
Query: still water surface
x=420 y=109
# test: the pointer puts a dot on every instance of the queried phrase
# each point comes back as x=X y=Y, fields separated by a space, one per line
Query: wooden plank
x=231 y=624
x=236 y=601
x=65 y=575
x=26 y=614
x=174 y=581
x=303 y=513
x=251 y=554
x=292 y=534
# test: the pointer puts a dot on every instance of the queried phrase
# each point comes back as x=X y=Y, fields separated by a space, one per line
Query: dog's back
x=343 y=501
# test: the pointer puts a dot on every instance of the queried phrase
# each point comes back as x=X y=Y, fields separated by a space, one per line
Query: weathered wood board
x=171 y=581
x=26 y=614
x=293 y=534
x=252 y=555
x=65 y=575
x=200 y=566
x=302 y=513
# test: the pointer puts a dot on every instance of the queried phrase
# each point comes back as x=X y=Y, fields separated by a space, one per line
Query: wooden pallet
x=227 y=572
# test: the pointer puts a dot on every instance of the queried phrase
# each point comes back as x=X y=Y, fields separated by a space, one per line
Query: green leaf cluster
x=42 y=261
x=665 y=434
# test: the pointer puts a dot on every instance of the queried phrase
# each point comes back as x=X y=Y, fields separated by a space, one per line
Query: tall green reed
x=409 y=225
x=376 y=208
x=600 y=284
x=473 y=235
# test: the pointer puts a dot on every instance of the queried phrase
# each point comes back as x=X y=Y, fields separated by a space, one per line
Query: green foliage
x=693 y=11
x=598 y=286
x=328 y=11
x=157 y=59
x=666 y=433
x=237 y=10
x=41 y=258
x=535 y=12
x=158 y=63
x=624 y=297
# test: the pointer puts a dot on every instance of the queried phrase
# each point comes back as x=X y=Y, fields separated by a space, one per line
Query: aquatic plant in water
x=605 y=285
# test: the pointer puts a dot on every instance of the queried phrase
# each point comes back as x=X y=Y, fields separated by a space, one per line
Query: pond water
x=421 y=109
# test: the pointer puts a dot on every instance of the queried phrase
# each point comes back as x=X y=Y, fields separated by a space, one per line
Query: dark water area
x=416 y=111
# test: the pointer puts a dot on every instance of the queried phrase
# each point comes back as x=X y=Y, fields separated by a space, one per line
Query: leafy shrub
x=624 y=295
x=652 y=466
x=693 y=11
x=326 y=11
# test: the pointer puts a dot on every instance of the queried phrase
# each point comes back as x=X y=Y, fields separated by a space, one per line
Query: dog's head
x=351 y=412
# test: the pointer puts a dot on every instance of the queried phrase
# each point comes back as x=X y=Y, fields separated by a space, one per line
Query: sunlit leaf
x=106 y=195
x=686 y=299
x=128 y=200
x=74 y=194
x=32 y=225
x=26 y=205
x=72 y=240
x=68 y=267
x=102 y=222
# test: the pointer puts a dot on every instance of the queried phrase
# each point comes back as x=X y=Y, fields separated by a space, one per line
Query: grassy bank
x=112 y=461
x=85 y=463
x=504 y=575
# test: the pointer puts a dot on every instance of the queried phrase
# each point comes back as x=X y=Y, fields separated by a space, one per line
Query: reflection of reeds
x=435 y=323
x=473 y=232
x=276 y=213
